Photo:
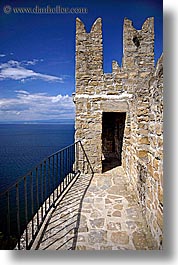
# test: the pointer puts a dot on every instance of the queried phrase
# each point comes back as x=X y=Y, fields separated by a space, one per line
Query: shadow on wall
x=61 y=229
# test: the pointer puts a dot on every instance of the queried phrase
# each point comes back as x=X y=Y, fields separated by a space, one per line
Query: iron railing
x=25 y=205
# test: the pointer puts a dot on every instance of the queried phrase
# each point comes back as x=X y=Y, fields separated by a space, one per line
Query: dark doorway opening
x=113 y=125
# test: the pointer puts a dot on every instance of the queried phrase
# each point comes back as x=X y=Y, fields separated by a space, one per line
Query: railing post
x=42 y=195
x=8 y=213
x=83 y=162
x=70 y=163
x=37 y=196
x=61 y=169
x=77 y=156
x=49 y=181
x=57 y=168
x=45 y=185
x=65 y=167
x=60 y=172
x=18 y=214
x=53 y=178
x=26 y=209
x=67 y=158
x=32 y=204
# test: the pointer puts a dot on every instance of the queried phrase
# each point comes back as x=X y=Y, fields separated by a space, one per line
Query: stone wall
x=135 y=89
x=154 y=203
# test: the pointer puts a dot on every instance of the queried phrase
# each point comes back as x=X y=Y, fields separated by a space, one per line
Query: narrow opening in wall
x=136 y=41
x=113 y=125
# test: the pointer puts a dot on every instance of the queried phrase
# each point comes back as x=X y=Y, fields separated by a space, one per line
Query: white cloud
x=15 y=71
x=36 y=106
x=2 y=55
x=32 y=62
x=22 y=92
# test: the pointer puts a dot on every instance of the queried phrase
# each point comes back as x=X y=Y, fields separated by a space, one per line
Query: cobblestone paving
x=106 y=216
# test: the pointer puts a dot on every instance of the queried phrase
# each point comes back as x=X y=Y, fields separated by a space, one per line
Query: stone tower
x=99 y=93
x=119 y=115
x=138 y=46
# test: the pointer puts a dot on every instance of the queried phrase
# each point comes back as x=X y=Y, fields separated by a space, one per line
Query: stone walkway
x=101 y=213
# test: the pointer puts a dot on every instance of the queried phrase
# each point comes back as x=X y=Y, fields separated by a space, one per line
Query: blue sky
x=37 y=52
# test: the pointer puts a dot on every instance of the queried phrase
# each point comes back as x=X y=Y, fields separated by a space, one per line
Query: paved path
x=97 y=214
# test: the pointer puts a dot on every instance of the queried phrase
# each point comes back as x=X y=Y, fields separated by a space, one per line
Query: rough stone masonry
x=119 y=115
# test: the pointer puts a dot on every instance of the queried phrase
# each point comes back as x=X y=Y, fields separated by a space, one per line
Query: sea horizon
x=61 y=121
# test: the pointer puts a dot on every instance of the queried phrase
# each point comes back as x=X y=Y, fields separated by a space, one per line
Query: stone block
x=143 y=140
x=139 y=240
x=160 y=194
x=159 y=216
x=120 y=238
x=142 y=153
x=116 y=213
x=97 y=223
x=114 y=226
x=97 y=236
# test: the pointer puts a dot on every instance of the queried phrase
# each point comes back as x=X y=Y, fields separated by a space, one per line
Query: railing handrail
x=48 y=180
x=33 y=168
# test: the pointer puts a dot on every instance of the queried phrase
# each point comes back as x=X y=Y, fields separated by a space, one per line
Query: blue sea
x=23 y=146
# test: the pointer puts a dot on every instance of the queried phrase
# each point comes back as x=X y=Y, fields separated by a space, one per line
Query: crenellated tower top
x=138 y=45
